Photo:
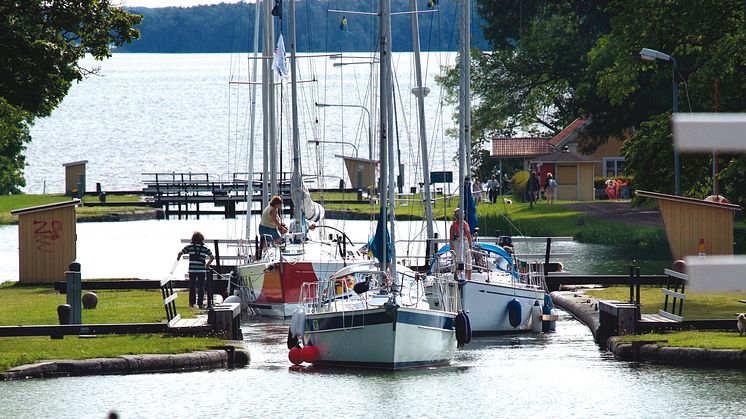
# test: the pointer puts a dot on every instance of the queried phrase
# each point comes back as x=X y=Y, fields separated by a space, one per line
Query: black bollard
x=63 y=313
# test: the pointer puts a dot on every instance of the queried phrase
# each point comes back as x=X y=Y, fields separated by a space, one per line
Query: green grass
x=29 y=305
x=697 y=306
x=10 y=203
x=26 y=350
x=37 y=305
x=694 y=339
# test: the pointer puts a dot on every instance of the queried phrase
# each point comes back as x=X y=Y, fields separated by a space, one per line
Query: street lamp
x=648 y=54
x=317 y=142
x=370 y=123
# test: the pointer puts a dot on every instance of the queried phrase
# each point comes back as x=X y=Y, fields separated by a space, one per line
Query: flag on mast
x=278 y=63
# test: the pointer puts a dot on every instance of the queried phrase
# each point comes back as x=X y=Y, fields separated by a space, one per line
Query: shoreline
x=234 y=354
x=585 y=310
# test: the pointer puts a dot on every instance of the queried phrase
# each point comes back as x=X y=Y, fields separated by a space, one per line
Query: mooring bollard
x=63 y=313
x=72 y=277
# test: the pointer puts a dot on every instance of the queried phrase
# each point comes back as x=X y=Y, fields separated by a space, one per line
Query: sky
x=166 y=3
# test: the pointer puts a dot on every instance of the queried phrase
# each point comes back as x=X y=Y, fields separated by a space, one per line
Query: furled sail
x=312 y=211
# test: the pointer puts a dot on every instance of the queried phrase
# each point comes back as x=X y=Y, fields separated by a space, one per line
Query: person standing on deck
x=271 y=225
x=457 y=227
x=198 y=254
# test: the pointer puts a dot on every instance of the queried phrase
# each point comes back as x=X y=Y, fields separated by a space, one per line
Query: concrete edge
x=234 y=354
x=653 y=352
x=585 y=309
x=580 y=306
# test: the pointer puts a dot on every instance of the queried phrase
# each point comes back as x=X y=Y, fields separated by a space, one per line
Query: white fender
x=298 y=324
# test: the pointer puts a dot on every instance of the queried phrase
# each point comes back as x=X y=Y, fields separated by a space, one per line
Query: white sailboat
x=275 y=278
x=376 y=314
x=497 y=297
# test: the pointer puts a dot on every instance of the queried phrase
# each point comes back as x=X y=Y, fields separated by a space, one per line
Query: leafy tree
x=40 y=45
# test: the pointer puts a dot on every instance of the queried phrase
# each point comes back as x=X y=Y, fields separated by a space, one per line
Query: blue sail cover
x=375 y=245
x=470 y=209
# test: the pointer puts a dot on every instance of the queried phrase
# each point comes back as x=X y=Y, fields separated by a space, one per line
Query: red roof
x=570 y=132
x=520 y=147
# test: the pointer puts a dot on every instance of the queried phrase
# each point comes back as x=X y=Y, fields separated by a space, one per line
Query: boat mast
x=252 y=130
x=294 y=112
x=419 y=91
x=464 y=118
x=269 y=187
x=385 y=98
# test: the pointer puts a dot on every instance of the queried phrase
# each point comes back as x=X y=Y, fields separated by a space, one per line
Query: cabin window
x=613 y=166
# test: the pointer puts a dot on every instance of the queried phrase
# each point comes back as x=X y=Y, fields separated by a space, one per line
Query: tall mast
x=269 y=176
x=464 y=116
x=419 y=91
x=294 y=112
x=385 y=98
x=252 y=130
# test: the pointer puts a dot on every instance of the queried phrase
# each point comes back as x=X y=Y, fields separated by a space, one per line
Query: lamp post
x=317 y=142
x=652 y=55
x=370 y=124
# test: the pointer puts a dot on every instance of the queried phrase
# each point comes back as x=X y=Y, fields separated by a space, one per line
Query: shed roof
x=46 y=207
x=75 y=163
x=520 y=147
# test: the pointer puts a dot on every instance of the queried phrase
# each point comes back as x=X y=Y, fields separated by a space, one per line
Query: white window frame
x=612 y=163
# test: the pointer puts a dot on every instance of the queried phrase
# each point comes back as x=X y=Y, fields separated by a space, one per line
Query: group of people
x=617 y=189
x=493 y=186
x=534 y=187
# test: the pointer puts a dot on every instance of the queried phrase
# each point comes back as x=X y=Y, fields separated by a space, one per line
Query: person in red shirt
x=457 y=227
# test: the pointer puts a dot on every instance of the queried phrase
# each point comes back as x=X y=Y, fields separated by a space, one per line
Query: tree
x=40 y=45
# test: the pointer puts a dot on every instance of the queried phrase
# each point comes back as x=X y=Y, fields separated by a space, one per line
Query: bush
x=520 y=180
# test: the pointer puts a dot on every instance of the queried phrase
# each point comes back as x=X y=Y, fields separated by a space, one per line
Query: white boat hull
x=487 y=306
x=373 y=338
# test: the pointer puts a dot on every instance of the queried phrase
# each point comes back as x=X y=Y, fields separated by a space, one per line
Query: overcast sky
x=165 y=3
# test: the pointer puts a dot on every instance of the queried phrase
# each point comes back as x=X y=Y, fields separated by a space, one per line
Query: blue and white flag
x=279 y=61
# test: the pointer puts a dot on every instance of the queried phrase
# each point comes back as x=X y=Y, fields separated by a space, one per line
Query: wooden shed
x=46 y=241
x=687 y=220
x=574 y=174
x=362 y=172
x=74 y=174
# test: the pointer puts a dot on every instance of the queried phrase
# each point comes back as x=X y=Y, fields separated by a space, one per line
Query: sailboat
x=275 y=278
x=498 y=296
x=376 y=314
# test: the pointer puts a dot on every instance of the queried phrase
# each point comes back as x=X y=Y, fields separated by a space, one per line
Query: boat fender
x=361 y=287
x=292 y=340
x=298 y=323
x=463 y=329
x=514 y=313
x=295 y=355
x=536 y=322
x=548 y=302
x=310 y=354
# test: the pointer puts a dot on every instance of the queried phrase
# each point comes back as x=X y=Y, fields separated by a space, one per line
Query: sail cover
x=312 y=211
x=471 y=209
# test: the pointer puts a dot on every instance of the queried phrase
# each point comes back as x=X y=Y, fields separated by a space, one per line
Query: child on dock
x=198 y=254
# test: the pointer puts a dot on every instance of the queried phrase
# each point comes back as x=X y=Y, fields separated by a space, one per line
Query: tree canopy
x=40 y=45
x=551 y=62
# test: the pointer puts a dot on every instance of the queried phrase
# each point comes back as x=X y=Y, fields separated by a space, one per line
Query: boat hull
x=487 y=306
x=382 y=338
x=275 y=288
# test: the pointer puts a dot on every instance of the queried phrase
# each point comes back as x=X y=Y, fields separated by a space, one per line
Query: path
x=620 y=211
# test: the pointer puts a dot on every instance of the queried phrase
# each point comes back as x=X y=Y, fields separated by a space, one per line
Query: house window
x=613 y=166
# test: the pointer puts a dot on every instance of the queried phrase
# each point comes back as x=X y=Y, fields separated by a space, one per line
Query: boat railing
x=531 y=273
x=443 y=293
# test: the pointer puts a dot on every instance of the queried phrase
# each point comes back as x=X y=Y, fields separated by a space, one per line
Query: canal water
x=561 y=374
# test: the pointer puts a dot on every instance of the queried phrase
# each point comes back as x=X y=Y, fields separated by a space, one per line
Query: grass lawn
x=694 y=339
x=698 y=306
x=37 y=305
x=10 y=203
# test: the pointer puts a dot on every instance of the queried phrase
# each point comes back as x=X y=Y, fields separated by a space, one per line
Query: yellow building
x=47 y=238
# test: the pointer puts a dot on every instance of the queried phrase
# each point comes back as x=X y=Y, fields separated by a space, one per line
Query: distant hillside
x=229 y=28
